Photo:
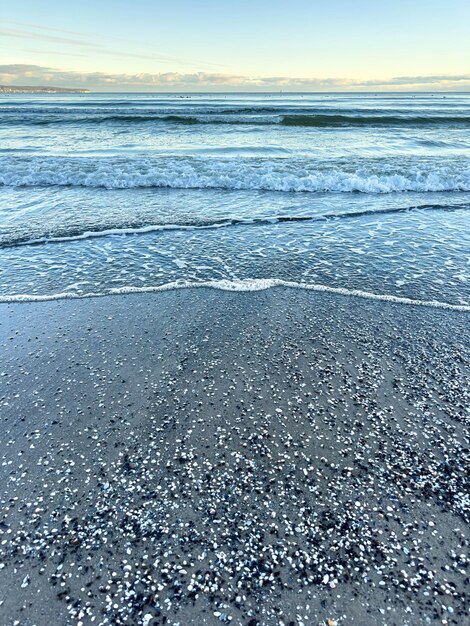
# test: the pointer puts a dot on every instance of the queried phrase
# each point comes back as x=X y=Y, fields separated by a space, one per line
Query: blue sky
x=179 y=44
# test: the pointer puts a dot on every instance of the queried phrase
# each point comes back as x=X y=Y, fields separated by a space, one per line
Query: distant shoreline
x=26 y=89
x=49 y=89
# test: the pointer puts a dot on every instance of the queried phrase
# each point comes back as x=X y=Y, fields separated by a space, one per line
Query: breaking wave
x=278 y=174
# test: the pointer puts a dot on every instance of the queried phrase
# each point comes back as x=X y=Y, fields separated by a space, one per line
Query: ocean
x=366 y=194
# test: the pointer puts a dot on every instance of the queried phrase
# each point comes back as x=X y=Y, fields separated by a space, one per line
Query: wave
x=120 y=230
x=373 y=120
x=241 y=285
x=268 y=174
x=128 y=118
x=261 y=116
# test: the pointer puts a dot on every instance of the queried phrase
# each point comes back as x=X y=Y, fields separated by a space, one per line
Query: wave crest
x=278 y=174
x=242 y=116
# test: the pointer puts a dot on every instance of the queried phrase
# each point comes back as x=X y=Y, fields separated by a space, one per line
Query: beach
x=200 y=456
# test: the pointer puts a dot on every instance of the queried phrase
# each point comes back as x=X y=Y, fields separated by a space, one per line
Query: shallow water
x=108 y=192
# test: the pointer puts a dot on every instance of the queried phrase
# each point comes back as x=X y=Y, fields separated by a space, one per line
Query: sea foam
x=260 y=284
x=278 y=174
x=62 y=235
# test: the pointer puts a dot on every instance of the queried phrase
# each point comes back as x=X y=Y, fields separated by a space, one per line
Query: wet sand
x=206 y=457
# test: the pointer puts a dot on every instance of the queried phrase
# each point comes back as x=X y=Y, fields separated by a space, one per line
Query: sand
x=205 y=457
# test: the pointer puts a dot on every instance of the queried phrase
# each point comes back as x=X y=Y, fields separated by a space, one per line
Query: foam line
x=220 y=223
x=259 y=284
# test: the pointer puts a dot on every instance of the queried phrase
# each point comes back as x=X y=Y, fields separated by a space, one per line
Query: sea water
x=367 y=194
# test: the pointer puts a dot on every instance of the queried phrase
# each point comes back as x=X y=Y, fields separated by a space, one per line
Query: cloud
x=23 y=74
x=82 y=43
x=41 y=27
x=25 y=34
x=92 y=44
x=423 y=80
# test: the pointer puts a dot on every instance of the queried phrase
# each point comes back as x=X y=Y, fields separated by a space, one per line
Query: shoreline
x=207 y=456
x=241 y=285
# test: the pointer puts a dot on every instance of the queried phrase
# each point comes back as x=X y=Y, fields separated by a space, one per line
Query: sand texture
x=205 y=457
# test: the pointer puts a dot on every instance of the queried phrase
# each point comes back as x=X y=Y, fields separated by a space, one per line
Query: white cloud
x=22 y=74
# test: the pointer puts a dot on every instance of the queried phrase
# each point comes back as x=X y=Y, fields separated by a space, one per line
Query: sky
x=237 y=45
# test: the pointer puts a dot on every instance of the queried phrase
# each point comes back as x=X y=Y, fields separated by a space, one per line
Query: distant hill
x=48 y=89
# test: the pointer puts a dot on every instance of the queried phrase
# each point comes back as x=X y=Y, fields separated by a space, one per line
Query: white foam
x=255 y=284
x=271 y=174
x=120 y=231
x=92 y=234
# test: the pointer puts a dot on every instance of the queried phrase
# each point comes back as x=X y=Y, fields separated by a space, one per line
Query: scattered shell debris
x=215 y=458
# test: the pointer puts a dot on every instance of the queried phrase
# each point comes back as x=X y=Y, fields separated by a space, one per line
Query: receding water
x=114 y=192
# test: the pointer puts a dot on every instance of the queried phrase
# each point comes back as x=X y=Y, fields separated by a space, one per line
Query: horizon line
x=270 y=92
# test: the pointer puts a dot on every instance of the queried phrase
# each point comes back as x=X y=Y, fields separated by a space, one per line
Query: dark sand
x=198 y=457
